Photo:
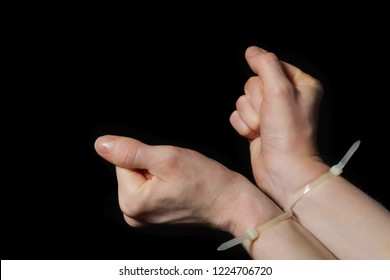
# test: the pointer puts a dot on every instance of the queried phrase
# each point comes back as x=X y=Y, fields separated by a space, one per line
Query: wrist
x=251 y=208
x=297 y=174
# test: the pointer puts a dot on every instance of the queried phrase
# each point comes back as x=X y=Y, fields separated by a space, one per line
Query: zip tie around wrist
x=254 y=233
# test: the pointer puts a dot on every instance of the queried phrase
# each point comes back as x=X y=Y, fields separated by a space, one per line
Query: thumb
x=278 y=89
x=124 y=152
x=271 y=68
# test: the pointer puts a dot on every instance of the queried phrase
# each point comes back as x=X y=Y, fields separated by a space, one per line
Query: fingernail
x=253 y=51
x=104 y=144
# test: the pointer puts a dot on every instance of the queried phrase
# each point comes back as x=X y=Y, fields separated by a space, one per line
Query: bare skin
x=172 y=185
x=278 y=114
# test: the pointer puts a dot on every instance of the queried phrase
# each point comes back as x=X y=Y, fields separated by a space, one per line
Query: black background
x=75 y=70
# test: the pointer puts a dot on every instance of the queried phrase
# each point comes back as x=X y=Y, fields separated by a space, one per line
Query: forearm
x=347 y=221
x=286 y=240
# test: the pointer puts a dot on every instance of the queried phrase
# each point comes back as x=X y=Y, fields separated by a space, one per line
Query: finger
x=269 y=68
x=254 y=90
x=247 y=113
x=127 y=177
x=133 y=222
x=239 y=125
x=125 y=152
x=130 y=194
x=279 y=93
x=296 y=76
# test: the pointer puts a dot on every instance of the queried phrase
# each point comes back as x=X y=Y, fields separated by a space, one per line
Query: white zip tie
x=254 y=233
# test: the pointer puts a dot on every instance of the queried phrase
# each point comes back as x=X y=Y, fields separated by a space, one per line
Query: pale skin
x=278 y=114
x=172 y=185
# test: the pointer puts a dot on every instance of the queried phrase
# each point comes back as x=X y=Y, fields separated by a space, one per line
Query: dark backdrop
x=74 y=70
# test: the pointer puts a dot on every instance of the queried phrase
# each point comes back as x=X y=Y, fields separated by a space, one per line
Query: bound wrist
x=296 y=176
x=252 y=208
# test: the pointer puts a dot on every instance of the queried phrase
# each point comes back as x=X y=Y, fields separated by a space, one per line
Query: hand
x=171 y=185
x=278 y=114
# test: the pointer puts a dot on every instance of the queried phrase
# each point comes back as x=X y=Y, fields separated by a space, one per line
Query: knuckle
x=268 y=58
x=133 y=222
x=251 y=83
x=171 y=157
x=241 y=100
x=317 y=86
x=245 y=131
x=281 y=88
x=129 y=154
x=130 y=207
